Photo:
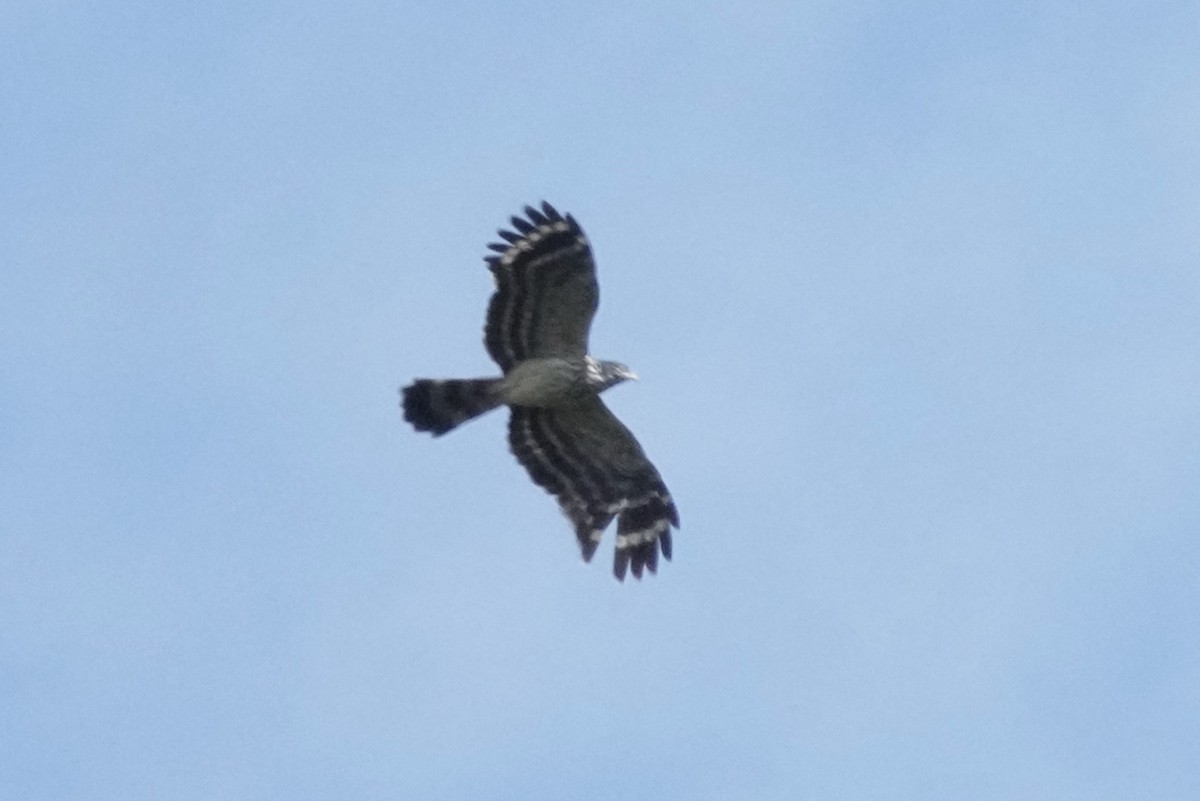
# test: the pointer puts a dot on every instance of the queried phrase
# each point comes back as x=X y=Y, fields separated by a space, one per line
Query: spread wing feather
x=546 y=290
x=594 y=466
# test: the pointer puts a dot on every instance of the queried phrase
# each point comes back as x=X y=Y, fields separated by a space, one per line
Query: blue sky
x=914 y=292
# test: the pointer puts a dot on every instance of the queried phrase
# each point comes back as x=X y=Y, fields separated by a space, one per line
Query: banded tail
x=439 y=406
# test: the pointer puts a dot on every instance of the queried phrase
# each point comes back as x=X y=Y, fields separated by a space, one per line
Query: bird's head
x=608 y=374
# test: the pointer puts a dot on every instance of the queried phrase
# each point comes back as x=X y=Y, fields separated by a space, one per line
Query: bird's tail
x=439 y=406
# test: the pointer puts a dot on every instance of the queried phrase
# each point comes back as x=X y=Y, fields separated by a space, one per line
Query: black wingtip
x=588 y=549
x=523 y=226
x=536 y=216
x=620 y=564
x=588 y=527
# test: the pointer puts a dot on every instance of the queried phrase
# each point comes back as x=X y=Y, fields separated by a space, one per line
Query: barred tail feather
x=439 y=406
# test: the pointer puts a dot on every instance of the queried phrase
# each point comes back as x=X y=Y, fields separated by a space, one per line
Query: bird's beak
x=632 y=376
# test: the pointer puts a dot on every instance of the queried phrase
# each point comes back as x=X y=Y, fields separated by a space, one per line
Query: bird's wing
x=546 y=291
x=591 y=462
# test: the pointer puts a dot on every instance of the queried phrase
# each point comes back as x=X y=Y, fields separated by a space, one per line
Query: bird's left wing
x=595 y=467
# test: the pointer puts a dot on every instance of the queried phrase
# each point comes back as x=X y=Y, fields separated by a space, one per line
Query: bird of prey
x=558 y=428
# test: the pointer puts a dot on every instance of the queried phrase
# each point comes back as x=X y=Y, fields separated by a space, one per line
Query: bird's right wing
x=546 y=290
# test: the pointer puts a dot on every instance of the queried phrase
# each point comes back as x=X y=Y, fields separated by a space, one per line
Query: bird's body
x=550 y=381
x=559 y=429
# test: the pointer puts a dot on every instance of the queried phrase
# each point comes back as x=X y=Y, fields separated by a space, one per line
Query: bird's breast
x=543 y=382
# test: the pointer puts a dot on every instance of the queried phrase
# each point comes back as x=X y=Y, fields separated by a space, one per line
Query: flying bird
x=558 y=428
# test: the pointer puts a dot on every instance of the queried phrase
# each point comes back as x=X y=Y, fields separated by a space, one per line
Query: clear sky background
x=914 y=292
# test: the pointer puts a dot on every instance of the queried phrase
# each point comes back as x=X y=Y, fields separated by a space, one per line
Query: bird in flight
x=558 y=427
